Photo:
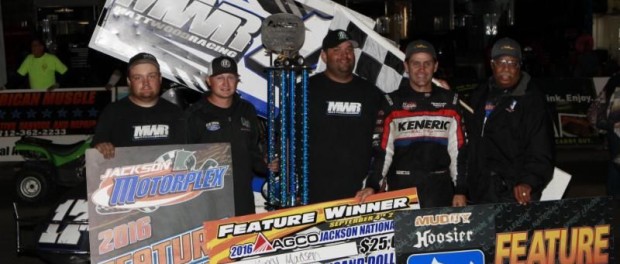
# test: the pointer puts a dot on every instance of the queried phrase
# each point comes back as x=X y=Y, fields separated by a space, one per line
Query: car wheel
x=32 y=186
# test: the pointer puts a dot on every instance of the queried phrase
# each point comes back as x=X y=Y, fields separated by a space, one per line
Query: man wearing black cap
x=510 y=133
x=222 y=116
x=140 y=119
x=422 y=139
x=342 y=113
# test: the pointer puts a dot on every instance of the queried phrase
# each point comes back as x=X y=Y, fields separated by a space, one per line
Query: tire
x=32 y=186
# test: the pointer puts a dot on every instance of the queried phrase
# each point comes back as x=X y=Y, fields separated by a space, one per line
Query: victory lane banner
x=341 y=231
x=562 y=231
x=147 y=204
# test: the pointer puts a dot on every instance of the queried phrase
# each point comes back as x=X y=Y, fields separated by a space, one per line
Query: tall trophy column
x=283 y=36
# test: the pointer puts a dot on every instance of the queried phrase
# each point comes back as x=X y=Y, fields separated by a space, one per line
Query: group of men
x=221 y=116
x=500 y=150
x=417 y=136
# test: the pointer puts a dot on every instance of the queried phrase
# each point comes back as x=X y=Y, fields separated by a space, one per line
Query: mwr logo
x=344 y=108
x=150 y=132
x=221 y=28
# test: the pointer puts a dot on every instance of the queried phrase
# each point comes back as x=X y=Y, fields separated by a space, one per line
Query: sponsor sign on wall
x=64 y=115
x=147 y=204
x=570 y=99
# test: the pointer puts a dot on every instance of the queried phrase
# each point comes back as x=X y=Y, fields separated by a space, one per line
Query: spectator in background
x=41 y=67
x=587 y=61
x=510 y=133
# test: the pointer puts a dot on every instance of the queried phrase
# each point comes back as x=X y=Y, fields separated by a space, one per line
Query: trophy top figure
x=283 y=34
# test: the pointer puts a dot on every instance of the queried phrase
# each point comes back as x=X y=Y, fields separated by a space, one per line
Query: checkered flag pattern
x=378 y=60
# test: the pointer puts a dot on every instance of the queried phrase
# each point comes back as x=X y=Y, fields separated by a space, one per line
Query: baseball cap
x=223 y=64
x=335 y=37
x=143 y=57
x=506 y=47
x=417 y=46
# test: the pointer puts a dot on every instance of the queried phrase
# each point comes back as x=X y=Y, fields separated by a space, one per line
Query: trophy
x=283 y=35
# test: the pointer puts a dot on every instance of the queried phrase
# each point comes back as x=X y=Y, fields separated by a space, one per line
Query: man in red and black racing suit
x=420 y=137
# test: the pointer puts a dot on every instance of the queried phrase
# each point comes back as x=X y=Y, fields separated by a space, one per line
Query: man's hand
x=522 y=193
x=363 y=193
x=106 y=149
x=459 y=200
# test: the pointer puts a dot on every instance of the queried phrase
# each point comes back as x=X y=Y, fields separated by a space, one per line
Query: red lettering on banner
x=70 y=98
x=82 y=123
x=34 y=125
x=8 y=125
x=60 y=124
x=20 y=99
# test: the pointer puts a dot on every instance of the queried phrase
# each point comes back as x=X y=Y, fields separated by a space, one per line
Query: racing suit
x=420 y=139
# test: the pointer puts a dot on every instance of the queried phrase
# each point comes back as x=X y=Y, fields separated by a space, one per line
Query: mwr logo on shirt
x=344 y=108
x=150 y=132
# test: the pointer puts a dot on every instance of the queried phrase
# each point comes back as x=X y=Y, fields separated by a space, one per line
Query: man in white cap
x=140 y=119
x=422 y=138
x=510 y=133
x=342 y=113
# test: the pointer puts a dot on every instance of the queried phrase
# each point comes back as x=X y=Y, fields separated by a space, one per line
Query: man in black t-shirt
x=140 y=119
x=343 y=108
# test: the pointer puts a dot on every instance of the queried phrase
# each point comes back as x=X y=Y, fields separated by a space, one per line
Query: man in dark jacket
x=222 y=116
x=510 y=133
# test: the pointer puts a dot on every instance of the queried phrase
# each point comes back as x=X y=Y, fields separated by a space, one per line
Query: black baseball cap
x=418 y=46
x=143 y=57
x=506 y=47
x=335 y=37
x=223 y=64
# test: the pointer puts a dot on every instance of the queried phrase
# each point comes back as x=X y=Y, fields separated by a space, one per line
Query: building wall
x=3 y=60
